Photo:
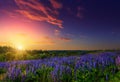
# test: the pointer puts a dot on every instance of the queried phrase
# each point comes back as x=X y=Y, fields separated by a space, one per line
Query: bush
x=9 y=56
x=41 y=75
x=2 y=70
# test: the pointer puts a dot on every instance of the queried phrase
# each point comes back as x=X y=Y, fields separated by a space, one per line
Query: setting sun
x=19 y=47
x=60 y=40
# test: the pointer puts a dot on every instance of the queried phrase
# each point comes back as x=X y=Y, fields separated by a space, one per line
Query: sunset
x=59 y=40
x=53 y=25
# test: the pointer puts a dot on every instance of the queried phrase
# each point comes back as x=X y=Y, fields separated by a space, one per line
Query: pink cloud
x=35 y=10
x=55 y=4
x=65 y=38
x=47 y=38
x=79 y=10
x=57 y=32
x=79 y=15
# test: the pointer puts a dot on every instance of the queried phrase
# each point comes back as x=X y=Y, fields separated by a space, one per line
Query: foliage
x=59 y=66
x=2 y=70
x=85 y=68
x=10 y=54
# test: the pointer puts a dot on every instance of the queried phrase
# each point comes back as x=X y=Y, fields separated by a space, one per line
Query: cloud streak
x=56 y=4
x=79 y=10
x=57 y=32
x=21 y=35
x=36 y=10
x=4 y=43
x=65 y=38
x=45 y=41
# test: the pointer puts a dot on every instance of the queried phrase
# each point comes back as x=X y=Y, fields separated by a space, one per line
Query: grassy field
x=59 y=66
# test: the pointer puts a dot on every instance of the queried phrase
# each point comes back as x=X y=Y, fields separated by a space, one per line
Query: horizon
x=118 y=49
x=60 y=24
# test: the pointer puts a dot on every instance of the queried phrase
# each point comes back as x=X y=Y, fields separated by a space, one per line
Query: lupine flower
x=60 y=65
x=118 y=62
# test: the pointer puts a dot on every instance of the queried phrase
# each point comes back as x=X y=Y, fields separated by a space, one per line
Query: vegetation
x=10 y=54
x=59 y=66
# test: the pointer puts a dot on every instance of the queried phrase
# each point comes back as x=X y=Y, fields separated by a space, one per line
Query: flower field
x=102 y=67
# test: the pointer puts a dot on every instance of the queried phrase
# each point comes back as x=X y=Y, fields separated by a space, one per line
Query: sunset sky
x=60 y=24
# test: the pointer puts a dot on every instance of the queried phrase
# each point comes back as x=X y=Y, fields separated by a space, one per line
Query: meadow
x=59 y=66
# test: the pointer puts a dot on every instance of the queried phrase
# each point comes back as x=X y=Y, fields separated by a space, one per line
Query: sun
x=20 y=47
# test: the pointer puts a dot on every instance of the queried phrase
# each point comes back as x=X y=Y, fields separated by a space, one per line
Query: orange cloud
x=21 y=35
x=45 y=40
x=4 y=43
x=35 y=10
x=44 y=43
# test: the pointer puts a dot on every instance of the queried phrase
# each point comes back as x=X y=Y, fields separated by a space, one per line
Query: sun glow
x=20 y=47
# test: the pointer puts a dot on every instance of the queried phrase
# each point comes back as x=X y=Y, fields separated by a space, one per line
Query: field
x=59 y=40
x=59 y=66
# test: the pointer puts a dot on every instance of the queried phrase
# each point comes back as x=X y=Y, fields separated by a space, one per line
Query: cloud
x=45 y=41
x=79 y=10
x=79 y=15
x=70 y=35
x=65 y=38
x=6 y=12
x=56 y=4
x=62 y=36
x=21 y=35
x=57 y=32
x=82 y=36
x=2 y=43
x=36 y=10
x=47 y=38
x=45 y=10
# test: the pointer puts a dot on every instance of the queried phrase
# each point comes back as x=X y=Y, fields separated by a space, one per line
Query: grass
x=62 y=68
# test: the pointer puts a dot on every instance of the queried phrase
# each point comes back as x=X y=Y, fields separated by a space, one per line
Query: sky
x=60 y=24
